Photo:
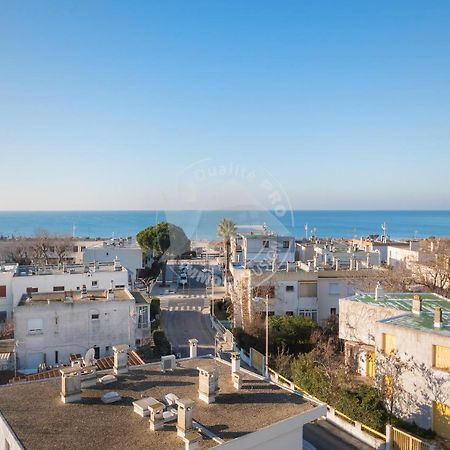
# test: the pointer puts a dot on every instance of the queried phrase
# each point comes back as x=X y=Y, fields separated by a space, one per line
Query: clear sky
x=117 y=104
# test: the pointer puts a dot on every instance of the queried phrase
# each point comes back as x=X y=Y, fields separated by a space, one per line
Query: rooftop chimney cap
x=438 y=317
x=417 y=304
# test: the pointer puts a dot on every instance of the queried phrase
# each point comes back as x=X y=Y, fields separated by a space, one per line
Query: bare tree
x=62 y=246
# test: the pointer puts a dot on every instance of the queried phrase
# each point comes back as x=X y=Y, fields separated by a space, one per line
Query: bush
x=161 y=344
x=413 y=428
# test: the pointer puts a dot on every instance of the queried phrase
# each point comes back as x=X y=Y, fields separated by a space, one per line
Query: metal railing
x=404 y=441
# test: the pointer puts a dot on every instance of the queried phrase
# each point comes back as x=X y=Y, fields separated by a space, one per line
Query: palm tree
x=226 y=229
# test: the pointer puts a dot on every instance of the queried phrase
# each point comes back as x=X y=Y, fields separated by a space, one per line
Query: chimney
x=110 y=291
x=184 y=416
x=357 y=265
x=336 y=260
x=368 y=260
x=83 y=290
x=156 y=415
x=315 y=262
x=88 y=377
x=208 y=385
x=437 y=317
x=236 y=378
x=70 y=384
x=120 y=359
x=325 y=258
x=117 y=264
x=379 y=292
x=417 y=304
x=192 y=440
x=235 y=362
x=94 y=266
x=193 y=343
x=352 y=262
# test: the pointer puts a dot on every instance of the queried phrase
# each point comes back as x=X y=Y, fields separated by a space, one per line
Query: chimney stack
x=437 y=317
x=337 y=261
x=193 y=343
x=156 y=415
x=184 y=416
x=117 y=264
x=235 y=362
x=417 y=304
x=83 y=290
x=120 y=359
x=208 y=385
x=236 y=378
x=70 y=384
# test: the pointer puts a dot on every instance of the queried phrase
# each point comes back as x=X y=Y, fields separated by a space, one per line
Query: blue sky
x=112 y=105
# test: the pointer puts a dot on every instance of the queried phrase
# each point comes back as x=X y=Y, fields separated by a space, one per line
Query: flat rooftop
x=24 y=271
x=42 y=421
x=77 y=296
x=403 y=303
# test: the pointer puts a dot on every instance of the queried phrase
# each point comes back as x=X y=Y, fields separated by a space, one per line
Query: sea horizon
x=201 y=224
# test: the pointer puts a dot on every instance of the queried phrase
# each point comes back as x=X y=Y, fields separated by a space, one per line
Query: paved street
x=184 y=318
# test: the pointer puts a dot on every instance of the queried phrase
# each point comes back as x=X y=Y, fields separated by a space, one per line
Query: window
x=82 y=248
x=32 y=290
x=142 y=313
x=312 y=313
x=285 y=244
x=308 y=290
x=107 y=350
x=333 y=311
x=94 y=283
x=266 y=244
x=389 y=343
x=333 y=289
x=2 y=291
x=75 y=249
x=56 y=357
x=58 y=288
x=35 y=326
x=95 y=316
x=3 y=316
x=289 y=313
x=120 y=286
x=289 y=288
x=96 y=352
x=441 y=357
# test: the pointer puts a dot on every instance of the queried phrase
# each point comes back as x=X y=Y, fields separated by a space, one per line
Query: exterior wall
x=8 y=439
x=6 y=303
x=130 y=257
x=358 y=322
x=287 y=434
x=417 y=406
x=69 y=328
x=329 y=291
x=253 y=251
x=401 y=256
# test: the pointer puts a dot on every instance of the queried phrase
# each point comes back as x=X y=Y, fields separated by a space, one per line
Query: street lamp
x=211 y=272
x=266 y=300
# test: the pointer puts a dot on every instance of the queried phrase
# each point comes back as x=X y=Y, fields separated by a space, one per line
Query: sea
x=202 y=225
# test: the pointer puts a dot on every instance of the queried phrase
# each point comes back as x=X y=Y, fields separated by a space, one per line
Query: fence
x=404 y=441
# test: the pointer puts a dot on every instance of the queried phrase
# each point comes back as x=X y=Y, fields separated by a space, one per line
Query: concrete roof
x=91 y=296
x=24 y=271
x=42 y=421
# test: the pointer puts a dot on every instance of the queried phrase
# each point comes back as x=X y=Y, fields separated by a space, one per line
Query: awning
x=5 y=356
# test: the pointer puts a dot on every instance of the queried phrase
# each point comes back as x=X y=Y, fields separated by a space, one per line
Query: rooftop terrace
x=41 y=421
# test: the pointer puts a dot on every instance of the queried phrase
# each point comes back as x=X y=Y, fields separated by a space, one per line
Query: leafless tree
x=62 y=245
x=7 y=330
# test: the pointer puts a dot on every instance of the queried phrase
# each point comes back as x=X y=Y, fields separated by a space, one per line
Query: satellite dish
x=89 y=358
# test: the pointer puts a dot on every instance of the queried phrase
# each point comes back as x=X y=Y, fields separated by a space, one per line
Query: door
x=441 y=419
x=370 y=364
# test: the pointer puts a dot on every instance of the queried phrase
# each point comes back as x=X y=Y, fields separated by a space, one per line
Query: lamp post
x=266 y=300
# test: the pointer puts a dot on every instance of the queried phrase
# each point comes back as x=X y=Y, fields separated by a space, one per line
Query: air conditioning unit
x=168 y=363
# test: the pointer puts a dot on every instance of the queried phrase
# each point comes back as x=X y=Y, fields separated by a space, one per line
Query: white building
x=414 y=327
x=257 y=245
x=126 y=250
x=51 y=326
x=18 y=280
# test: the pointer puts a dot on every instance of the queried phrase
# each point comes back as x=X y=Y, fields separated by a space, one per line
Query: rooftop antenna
x=73 y=230
x=306 y=230
x=89 y=358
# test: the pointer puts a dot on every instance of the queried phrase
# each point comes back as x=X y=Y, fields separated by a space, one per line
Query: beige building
x=411 y=332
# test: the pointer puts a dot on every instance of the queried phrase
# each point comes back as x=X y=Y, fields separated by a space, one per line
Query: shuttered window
x=308 y=289
x=2 y=291
x=441 y=357
x=389 y=343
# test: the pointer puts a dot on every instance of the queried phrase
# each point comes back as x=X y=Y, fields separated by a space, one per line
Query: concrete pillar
x=120 y=359
x=237 y=380
x=184 y=416
x=70 y=384
x=235 y=362
x=388 y=437
x=208 y=385
x=193 y=344
x=156 y=416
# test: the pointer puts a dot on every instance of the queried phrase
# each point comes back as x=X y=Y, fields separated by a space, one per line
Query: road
x=184 y=317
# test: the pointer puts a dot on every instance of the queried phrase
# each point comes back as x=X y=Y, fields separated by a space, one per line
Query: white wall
x=68 y=328
x=7 y=437
x=329 y=291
